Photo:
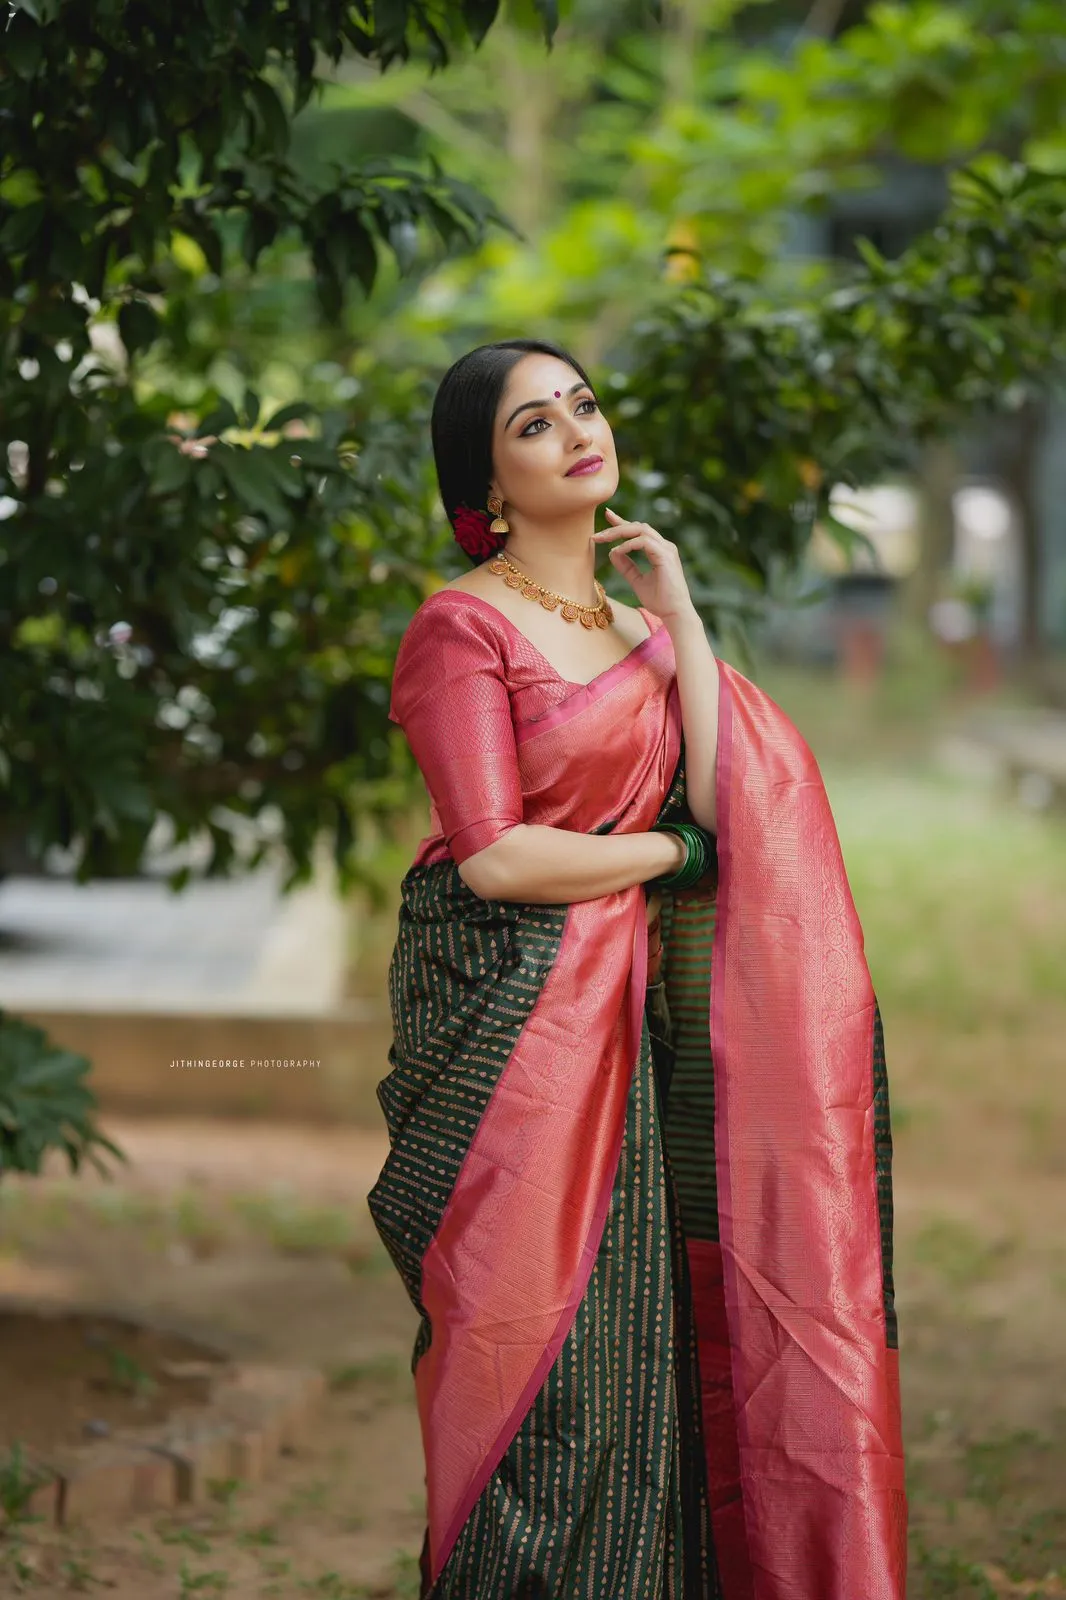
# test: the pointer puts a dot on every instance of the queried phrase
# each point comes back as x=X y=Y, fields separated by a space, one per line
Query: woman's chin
x=593 y=488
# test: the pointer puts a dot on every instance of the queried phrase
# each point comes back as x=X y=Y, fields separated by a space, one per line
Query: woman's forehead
x=539 y=377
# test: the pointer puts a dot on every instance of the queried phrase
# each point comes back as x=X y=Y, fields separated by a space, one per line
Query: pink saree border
x=587 y=693
x=438 y=1556
x=815 y=1385
x=723 y=786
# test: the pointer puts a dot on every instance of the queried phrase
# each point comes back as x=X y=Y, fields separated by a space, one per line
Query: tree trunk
x=531 y=104
x=938 y=479
x=1023 y=442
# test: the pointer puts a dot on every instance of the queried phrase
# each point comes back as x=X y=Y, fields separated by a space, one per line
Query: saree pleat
x=602 y=1490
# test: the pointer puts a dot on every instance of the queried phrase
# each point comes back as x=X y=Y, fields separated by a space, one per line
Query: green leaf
x=289 y=479
x=250 y=478
x=538 y=17
x=22 y=227
x=217 y=421
x=57 y=1068
x=168 y=468
x=272 y=116
x=871 y=255
x=44 y=1103
x=297 y=411
x=362 y=258
x=137 y=324
x=23 y=48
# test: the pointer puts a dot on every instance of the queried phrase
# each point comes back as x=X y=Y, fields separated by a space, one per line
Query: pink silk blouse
x=468 y=689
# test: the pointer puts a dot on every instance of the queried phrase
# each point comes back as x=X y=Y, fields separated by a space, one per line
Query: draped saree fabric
x=647 y=1230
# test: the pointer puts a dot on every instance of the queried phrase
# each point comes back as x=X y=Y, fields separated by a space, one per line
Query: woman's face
x=547 y=421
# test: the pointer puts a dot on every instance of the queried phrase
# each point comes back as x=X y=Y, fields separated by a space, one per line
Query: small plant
x=1039 y=1540
x=19 y=1480
x=216 y=1582
x=223 y=1490
x=202 y=1583
x=264 y=1534
x=948 y=1576
x=78 y=1575
x=22 y=1571
x=127 y=1375
x=44 y=1105
x=958 y=1253
x=184 y=1535
x=148 y=1557
x=196 y=1224
x=295 y=1229
x=305 y=1497
x=383 y=1370
x=406 y=1575
x=331 y=1586
x=990 y=1464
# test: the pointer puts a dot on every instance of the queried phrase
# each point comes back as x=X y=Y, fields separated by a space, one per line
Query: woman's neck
x=561 y=558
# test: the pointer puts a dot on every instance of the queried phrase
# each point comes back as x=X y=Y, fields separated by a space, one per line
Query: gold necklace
x=597 y=616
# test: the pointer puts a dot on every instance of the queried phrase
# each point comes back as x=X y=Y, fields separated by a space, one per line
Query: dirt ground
x=256 y=1240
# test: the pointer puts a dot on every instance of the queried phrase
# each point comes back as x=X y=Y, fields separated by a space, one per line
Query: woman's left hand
x=663 y=590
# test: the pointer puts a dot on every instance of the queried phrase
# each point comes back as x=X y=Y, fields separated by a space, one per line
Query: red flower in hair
x=472 y=532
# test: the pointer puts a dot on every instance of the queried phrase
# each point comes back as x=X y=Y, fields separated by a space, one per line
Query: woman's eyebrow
x=535 y=405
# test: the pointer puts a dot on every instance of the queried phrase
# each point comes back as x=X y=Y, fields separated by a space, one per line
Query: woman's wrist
x=672 y=852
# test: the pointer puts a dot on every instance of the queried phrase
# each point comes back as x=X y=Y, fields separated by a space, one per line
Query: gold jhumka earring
x=498 y=524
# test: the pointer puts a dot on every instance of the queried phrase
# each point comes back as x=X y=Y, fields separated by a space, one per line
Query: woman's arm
x=664 y=590
x=553 y=866
x=697 y=687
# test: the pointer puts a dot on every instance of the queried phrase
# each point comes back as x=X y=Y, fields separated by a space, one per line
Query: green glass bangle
x=699 y=858
x=701 y=853
x=685 y=873
x=697 y=855
x=683 y=876
x=698 y=865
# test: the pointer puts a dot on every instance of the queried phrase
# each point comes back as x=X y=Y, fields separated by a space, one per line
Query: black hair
x=464 y=414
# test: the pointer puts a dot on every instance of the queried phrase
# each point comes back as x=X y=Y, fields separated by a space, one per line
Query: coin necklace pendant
x=597 y=616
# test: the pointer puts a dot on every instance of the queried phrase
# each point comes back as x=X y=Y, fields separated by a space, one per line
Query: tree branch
x=823 y=18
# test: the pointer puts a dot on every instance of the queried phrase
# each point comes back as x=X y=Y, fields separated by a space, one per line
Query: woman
x=639 y=1182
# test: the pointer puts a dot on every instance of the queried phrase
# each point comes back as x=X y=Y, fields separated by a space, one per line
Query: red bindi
x=558 y=392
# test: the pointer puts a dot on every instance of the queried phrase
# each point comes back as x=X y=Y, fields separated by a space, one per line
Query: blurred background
x=813 y=253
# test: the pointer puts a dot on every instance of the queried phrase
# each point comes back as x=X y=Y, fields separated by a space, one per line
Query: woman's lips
x=588 y=466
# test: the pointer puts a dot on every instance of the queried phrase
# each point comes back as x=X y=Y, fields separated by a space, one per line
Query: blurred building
x=1007 y=568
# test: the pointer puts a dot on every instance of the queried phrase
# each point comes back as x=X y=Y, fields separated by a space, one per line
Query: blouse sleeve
x=450 y=697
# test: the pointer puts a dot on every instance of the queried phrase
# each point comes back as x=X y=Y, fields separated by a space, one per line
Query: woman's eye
x=588 y=401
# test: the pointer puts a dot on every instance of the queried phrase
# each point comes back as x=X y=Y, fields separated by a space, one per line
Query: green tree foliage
x=208 y=632
x=184 y=633
x=44 y=1102
x=218 y=514
x=177 y=633
x=800 y=398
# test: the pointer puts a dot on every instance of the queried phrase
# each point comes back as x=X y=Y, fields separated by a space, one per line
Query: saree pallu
x=648 y=1231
